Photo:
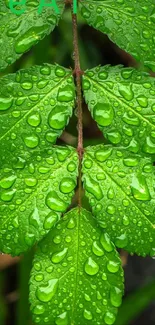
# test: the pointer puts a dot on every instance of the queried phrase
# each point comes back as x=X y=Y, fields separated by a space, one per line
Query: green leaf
x=20 y=32
x=77 y=276
x=120 y=188
x=34 y=192
x=122 y=102
x=35 y=106
x=130 y=24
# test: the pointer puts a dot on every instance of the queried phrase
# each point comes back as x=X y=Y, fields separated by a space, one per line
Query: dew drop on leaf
x=103 y=114
x=91 y=267
x=45 y=293
x=58 y=257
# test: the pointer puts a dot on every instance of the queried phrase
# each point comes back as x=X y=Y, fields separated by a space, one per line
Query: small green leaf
x=34 y=192
x=130 y=24
x=77 y=276
x=35 y=106
x=122 y=102
x=120 y=188
x=20 y=32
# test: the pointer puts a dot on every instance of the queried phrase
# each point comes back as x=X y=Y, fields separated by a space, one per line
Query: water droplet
x=31 y=181
x=91 y=267
x=62 y=319
x=121 y=241
x=50 y=220
x=60 y=72
x=7 y=182
x=71 y=166
x=87 y=314
x=93 y=187
x=130 y=162
x=58 y=117
x=97 y=250
x=142 y=101
x=71 y=223
x=66 y=94
x=87 y=298
x=8 y=195
x=140 y=189
x=103 y=114
x=31 y=141
x=111 y=209
x=58 y=257
x=106 y=243
x=38 y=310
x=27 y=85
x=114 y=136
x=45 y=293
x=115 y=296
x=109 y=318
x=113 y=266
x=5 y=103
x=103 y=154
x=149 y=146
x=34 y=218
x=131 y=120
x=54 y=202
x=126 y=92
x=67 y=185
x=34 y=119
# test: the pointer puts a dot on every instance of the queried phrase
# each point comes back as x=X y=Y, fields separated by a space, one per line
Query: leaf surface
x=19 y=32
x=122 y=102
x=35 y=106
x=34 y=192
x=130 y=24
x=77 y=276
x=120 y=188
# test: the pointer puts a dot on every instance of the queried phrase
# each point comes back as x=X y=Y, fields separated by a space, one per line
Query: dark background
x=138 y=306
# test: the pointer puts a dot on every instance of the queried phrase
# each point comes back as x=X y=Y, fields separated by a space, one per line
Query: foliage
x=77 y=276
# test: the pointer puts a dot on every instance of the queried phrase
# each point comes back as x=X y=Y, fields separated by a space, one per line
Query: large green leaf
x=122 y=102
x=35 y=106
x=120 y=188
x=34 y=192
x=130 y=24
x=77 y=276
x=20 y=32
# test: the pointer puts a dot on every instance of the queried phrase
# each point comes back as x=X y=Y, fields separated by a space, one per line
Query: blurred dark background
x=138 y=306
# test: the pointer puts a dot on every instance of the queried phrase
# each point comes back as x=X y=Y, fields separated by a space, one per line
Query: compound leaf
x=77 y=276
x=34 y=192
x=122 y=102
x=120 y=188
x=35 y=106
x=130 y=24
x=19 y=32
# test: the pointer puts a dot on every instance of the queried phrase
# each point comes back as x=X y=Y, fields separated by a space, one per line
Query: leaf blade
x=71 y=276
x=118 y=18
x=23 y=31
x=35 y=106
x=122 y=102
x=120 y=189
x=33 y=198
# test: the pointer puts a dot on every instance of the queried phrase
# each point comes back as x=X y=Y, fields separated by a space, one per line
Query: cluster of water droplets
x=76 y=274
x=35 y=106
x=120 y=188
x=122 y=101
x=19 y=32
x=33 y=195
x=130 y=24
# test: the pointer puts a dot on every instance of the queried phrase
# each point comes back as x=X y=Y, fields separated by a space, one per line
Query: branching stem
x=78 y=73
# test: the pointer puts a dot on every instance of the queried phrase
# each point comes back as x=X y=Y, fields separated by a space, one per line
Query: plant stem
x=78 y=73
